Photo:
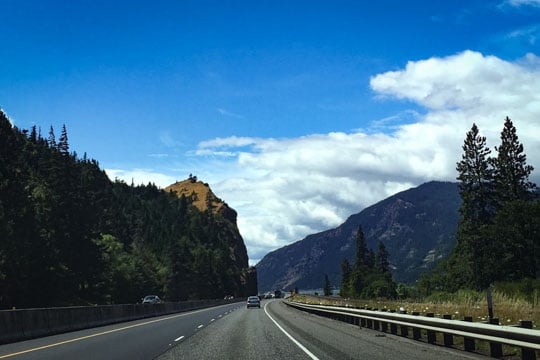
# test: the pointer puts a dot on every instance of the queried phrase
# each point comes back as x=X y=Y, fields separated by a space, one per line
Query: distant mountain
x=417 y=226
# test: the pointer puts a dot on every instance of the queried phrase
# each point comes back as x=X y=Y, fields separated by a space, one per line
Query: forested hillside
x=70 y=236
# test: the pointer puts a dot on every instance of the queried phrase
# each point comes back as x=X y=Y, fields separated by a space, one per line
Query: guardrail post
x=376 y=323
x=448 y=338
x=404 y=329
x=527 y=354
x=495 y=348
x=384 y=324
x=369 y=322
x=393 y=327
x=467 y=341
x=431 y=335
x=416 y=332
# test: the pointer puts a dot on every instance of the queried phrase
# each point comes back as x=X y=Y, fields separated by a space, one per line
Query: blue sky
x=298 y=113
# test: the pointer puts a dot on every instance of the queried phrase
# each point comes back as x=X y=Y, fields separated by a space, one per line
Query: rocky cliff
x=201 y=196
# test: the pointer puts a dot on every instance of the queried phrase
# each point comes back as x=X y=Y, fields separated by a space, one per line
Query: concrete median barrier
x=11 y=326
x=23 y=324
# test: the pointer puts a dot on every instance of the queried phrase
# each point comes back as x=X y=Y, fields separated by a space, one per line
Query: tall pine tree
x=511 y=172
x=478 y=205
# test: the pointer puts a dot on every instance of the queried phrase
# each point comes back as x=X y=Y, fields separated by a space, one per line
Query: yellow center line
x=95 y=335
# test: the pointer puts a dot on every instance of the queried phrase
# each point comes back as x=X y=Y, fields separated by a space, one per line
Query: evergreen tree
x=497 y=237
x=475 y=178
x=326 y=288
x=69 y=236
x=478 y=206
x=63 y=145
x=361 y=263
x=345 y=278
x=511 y=172
x=361 y=250
x=52 y=138
x=381 y=259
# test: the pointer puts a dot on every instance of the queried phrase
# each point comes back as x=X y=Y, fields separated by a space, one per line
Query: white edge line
x=180 y=338
x=200 y=326
x=304 y=349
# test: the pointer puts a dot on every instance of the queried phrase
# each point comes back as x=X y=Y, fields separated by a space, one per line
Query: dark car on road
x=253 y=301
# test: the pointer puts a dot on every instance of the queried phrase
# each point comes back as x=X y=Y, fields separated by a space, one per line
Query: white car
x=151 y=299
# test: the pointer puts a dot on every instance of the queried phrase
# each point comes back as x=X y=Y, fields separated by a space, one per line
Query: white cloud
x=285 y=189
x=140 y=177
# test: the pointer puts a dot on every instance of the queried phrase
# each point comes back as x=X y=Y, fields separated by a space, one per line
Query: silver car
x=253 y=301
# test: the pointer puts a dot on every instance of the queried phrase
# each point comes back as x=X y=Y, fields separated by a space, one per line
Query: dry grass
x=508 y=310
x=187 y=187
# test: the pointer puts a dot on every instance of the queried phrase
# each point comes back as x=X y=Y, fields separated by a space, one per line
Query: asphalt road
x=278 y=332
x=230 y=332
x=142 y=339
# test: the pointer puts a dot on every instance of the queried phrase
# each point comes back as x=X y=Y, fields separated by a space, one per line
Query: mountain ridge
x=417 y=226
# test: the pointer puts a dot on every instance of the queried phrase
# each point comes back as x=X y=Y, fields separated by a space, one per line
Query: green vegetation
x=498 y=237
x=370 y=276
x=70 y=236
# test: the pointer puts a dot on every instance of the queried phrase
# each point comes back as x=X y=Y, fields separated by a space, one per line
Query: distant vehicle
x=151 y=299
x=278 y=294
x=253 y=301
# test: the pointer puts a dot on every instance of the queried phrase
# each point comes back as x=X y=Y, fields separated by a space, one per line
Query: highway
x=142 y=339
x=230 y=332
x=278 y=332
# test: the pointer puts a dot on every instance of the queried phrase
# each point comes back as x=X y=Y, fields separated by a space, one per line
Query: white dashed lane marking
x=180 y=338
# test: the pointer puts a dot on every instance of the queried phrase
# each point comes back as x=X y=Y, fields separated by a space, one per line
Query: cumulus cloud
x=285 y=189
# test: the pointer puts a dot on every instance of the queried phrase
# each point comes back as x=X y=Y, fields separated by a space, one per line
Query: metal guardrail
x=527 y=339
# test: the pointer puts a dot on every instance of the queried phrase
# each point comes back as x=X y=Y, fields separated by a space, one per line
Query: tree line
x=369 y=276
x=71 y=236
x=498 y=235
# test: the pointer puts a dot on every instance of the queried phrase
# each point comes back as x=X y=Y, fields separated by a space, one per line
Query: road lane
x=230 y=332
x=251 y=334
x=244 y=334
x=142 y=339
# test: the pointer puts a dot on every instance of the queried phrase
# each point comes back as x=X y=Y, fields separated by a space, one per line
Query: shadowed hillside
x=417 y=226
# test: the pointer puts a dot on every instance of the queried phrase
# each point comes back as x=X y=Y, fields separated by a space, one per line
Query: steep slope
x=417 y=226
x=204 y=199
